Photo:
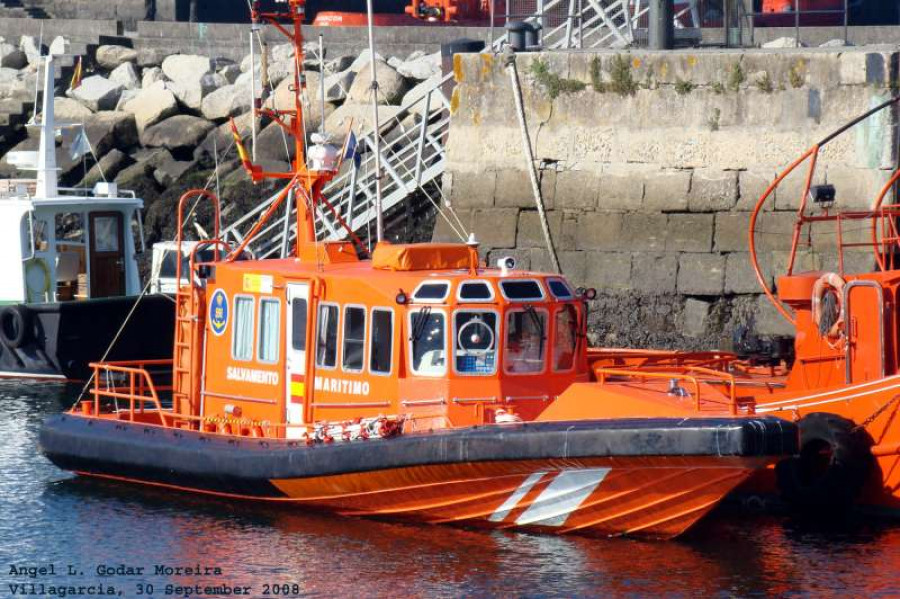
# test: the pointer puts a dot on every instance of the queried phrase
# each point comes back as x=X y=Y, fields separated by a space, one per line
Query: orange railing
x=138 y=390
x=812 y=155
x=695 y=375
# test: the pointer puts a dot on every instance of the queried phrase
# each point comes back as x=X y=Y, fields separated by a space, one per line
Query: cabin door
x=864 y=308
x=107 y=254
x=297 y=327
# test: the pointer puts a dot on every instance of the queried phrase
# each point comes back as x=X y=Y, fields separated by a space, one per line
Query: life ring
x=41 y=290
x=15 y=325
x=828 y=282
x=831 y=468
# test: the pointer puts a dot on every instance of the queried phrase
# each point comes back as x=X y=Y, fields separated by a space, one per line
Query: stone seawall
x=651 y=170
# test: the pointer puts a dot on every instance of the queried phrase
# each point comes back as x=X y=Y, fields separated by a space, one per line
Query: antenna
x=379 y=225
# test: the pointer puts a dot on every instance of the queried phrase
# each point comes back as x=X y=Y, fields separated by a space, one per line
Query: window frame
x=290 y=305
x=443 y=300
x=372 y=340
x=234 y=327
x=463 y=300
x=338 y=337
x=498 y=332
x=545 y=362
x=542 y=298
x=277 y=302
x=365 y=338
x=410 y=342
x=556 y=312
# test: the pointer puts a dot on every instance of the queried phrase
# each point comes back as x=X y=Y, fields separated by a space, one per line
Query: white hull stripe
x=562 y=497
x=803 y=402
x=882 y=385
x=513 y=500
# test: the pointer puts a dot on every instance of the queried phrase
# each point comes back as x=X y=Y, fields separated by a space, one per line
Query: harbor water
x=65 y=536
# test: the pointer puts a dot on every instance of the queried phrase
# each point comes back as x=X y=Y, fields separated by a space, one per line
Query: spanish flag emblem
x=76 y=75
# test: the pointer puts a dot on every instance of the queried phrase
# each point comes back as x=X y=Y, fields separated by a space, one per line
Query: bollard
x=662 y=28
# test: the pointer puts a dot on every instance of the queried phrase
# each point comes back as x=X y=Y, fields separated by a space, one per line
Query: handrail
x=140 y=383
x=812 y=155
x=721 y=378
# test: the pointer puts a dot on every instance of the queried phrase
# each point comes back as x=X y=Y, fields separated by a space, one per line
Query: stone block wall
x=650 y=173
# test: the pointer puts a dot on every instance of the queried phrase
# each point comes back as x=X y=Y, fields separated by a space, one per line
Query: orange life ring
x=835 y=282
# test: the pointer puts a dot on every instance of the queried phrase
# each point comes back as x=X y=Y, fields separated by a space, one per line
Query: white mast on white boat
x=47 y=185
x=379 y=225
x=254 y=28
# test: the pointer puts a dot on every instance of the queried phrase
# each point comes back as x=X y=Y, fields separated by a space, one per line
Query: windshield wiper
x=420 y=321
x=536 y=319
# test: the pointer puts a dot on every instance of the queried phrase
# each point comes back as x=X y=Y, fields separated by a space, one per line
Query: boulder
x=15 y=83
x=361 y=115
x=12 y=57
x=270 y=145
x=97 y=93
x=421 y=67
x=67 y=110
x=169 y=171
x=230 y=72
x=225 y=102
x=136 y=176
x=31 y=46
x=391 y=85
x=339 y=64
x=363 y=59
x=150 y=76
x=152 y=57
x=106 y=169
x=125 y=75
x=152 y=105
x=187 y=68
x=111 y=56
x=177 y=134
x=337 y=86
x=59 y=46
x=219 y=139
x=110 y=129
x=127 y=96
x=190 y=93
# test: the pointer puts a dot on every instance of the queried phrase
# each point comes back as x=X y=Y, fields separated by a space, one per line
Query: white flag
x=80 y=146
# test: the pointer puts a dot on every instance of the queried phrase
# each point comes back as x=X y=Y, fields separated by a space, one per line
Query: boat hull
x=64 y=338
x=648 y=477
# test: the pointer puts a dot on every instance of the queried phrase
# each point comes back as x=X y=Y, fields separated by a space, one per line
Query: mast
x=379 y=225
x=47 y=186
x=307 y=179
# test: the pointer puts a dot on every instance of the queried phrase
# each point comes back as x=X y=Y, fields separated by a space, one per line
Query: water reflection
x=46 y=516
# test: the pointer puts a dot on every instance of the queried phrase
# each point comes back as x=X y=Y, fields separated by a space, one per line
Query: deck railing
x=695 y=375
x=131 y=382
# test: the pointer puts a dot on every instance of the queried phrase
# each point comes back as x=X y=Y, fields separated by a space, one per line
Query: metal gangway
x=412 y=161
x=575 y=24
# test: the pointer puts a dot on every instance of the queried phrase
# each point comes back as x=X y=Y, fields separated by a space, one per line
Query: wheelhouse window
x=269 y=329
x=475 y=291
x=432 y=291
x=381 y=342
x=522 y=290
x=565 y=338
x=428 y=342
x=475 y=345
x=560 y=289
x=354 y=338
x=526 y=340
x=327 y=336
x=242 y=333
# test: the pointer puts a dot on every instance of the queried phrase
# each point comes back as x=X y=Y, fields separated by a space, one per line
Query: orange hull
x=656 y=498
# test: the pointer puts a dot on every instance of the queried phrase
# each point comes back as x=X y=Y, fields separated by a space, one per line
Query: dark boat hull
x=62 y=339
x=651 y=477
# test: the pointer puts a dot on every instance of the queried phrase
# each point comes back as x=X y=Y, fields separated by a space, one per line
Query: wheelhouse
x=291 y=341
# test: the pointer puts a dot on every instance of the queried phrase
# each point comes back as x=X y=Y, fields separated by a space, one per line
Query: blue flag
x=351 y=150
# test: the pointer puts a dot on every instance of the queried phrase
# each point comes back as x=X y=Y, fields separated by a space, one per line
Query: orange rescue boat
x=417 y=383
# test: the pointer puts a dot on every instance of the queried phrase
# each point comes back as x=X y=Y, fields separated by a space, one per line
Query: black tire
x=15 y=326
x=831 y=469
